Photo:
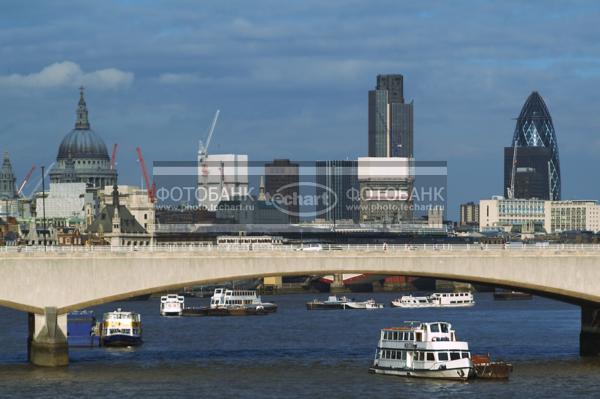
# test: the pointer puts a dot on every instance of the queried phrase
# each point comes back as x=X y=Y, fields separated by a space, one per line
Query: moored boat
x=511 y=295
x=171 y=305
x=409 y=301
x=226 y=302
x=368 y=304
x=333 y=302
x=485 y=368
x=424 y=350
x=437 y=299
x=121 y=328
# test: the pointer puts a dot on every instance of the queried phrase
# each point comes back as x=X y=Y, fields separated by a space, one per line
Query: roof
x=103 y=222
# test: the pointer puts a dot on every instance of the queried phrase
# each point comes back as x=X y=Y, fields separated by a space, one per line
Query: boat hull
x=121 y=340
x=326 y=306
x=258 y=310
x=458 y=374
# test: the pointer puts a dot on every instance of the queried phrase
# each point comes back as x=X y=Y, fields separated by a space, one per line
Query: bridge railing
x=201 y=247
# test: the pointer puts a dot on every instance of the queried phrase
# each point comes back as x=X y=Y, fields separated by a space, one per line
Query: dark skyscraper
x=390 y=119
x=537 y=168
x=282 y=185
x=341 y=178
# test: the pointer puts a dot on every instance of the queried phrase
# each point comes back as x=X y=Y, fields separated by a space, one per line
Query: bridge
x=49 y=283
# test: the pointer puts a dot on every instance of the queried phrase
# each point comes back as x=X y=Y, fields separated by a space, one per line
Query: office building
x=282 y=185
x=338 y=182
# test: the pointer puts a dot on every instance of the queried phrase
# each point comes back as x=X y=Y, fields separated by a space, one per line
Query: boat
x=423 y=350
x=225 y=302
x=485 y=368
x=81 y=329
x=369 y=304
x=333 y=302
x=409 y=301
x=435 y=300
x=121 y=328
x=171 y=305
x=511 y=295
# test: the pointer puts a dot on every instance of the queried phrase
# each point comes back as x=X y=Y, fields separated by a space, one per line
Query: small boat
x=120 y=328
x=511 y=295
x=485 y=368
x=171 y=305
x=333 y=302
x=423 y=350
x=226 y=302
x=81 y=329
x=436 y=300
x=369 y=304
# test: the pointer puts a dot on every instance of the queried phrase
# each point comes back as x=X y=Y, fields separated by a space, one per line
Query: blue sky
x=291 y=79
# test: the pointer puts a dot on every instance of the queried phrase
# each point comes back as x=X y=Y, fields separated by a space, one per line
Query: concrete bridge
x=48 y=284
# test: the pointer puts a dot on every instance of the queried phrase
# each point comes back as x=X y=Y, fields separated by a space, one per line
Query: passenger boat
x=437 y=299
x=425 y=350
x=226 y=302
x=333 y=302
x=171 y=305
x=409 y=301
x=120 y=328
x=81 y=329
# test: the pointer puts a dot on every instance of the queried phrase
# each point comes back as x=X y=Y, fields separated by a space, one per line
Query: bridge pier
x=337 y=285
x=589 y=338
x=47 y=341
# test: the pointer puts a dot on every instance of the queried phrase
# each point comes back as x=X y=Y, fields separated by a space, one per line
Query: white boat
x=369 y=304
x=171 y=305
x=121 y=328
x=409 y=301
x=244 y=299
x=425 y=350
x=437 y=299
x=453 y=299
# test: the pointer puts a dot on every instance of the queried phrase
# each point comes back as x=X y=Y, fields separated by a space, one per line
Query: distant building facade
x=469 y=214
x=282 y=185
x=532 y=172
x=539 y=176
x=340 y=179
x=385 y=189
x=562 y=216
x=390 y=119
x=221 y=177
x=136 y=200
x=8 y=189
x=82 y=155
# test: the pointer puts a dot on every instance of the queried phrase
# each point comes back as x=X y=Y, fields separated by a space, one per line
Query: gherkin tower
x=535 y=129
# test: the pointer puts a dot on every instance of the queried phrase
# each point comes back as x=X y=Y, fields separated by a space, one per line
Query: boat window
x=444 y=327
x=421 y=356
x=442 y=356
x=419 y=336
x=411 y=336
x=434 y=328
x=430 y=356
x=394 y=355
x=465 y=355
x=454 y=355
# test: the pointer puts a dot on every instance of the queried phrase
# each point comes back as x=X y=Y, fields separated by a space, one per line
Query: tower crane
x=511 y=190
x=25 y=181
x=150 y=187
x=203 y=147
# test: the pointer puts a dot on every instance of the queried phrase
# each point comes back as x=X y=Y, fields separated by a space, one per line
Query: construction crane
x=511 y=190
x=39 y=183
x=150 y=187
x=113 y=158
x=203 y=147
x=25 y=180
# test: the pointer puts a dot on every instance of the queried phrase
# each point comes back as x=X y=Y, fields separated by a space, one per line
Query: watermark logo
x=304 y=199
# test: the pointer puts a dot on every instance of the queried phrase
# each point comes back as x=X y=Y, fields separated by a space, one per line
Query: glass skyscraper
x=534 y=129
x=390 y=119
x=340 y=178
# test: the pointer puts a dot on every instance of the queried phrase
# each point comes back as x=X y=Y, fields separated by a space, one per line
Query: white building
x=553 y=216
x=136 y=200
x=221 y=177
x=572 y=215
x=385 y=189
x=63 y=201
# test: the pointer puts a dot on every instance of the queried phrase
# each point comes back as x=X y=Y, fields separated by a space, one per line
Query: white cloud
x=68 y=74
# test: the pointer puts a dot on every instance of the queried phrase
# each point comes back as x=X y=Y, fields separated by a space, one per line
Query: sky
x=291 y=80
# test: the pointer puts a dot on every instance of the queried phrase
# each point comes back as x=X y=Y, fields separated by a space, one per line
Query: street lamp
x=44 y=207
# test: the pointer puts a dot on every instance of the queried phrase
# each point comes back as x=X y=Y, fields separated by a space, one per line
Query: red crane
x=113 y=159
x=25 y=180
x=150 y=187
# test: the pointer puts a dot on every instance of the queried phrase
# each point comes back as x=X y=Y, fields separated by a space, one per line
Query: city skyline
x=159 y=89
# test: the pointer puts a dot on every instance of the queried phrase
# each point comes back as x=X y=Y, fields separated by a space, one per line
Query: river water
x=300 y=353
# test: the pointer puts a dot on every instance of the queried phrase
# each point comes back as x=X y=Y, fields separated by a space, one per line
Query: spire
x=115 y=196
x=82 y=122
x=261 y=193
